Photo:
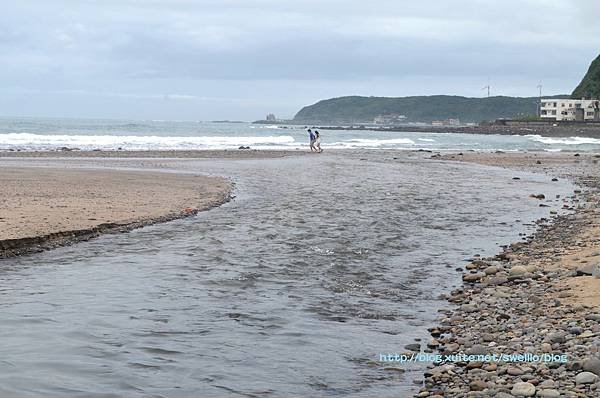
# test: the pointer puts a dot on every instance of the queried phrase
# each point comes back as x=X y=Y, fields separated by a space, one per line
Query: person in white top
x=317 y=143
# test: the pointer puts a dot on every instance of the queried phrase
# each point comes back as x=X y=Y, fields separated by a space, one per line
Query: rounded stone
x=523 y=389
x=517 y=270
x=592 y=365
x=585 y=378
x=548 y=393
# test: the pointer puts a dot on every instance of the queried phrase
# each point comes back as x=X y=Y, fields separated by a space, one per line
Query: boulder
x=592 y=365
x=585 y=378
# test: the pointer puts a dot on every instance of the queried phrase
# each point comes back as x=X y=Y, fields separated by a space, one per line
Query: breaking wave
x=564 y=141
x=130 y=142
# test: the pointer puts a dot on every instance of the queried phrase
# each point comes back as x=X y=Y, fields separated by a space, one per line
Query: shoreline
x=559 y=131
x=155 y=153
x=537 y=297
x=45 y=208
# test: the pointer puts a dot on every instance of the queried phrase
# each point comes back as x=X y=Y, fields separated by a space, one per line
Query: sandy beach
x=537 y=297
x=44 y=208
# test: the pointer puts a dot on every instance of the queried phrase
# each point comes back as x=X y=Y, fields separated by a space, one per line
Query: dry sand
x=44 y=203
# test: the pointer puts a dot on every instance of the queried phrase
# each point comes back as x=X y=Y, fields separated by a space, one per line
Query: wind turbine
x=488 y=88
x=539 y=104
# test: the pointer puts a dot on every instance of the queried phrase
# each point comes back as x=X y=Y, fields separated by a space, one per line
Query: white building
x=570 y=109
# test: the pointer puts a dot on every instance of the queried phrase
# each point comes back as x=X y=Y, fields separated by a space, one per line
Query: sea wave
x=563 y=141
x=130 y=142
x=373 y=143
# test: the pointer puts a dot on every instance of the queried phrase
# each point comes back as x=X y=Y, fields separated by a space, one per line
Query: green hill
x=347 y=110
x=590 y=85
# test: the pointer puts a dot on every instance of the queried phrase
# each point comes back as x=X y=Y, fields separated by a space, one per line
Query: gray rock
x=592 y=365
x=473 y=277
x=478 y=349
x=504 y=395
x=517 y=270
x=498 y=280
x=468 y=307
x=548 y=393
x=558 y=337
x=413 y=347
x=491 y=270
x=593 y=317
x=514 y=371
x=589 y=269
x=523 y=389
x=585 y=378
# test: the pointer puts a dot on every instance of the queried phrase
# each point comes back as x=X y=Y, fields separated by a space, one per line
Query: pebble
x=548 y=393
x=523 y=389
x=517 y=270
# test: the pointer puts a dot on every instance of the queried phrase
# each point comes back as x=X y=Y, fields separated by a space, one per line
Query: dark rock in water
x=543 y=205
x=516 y=178
x=538 y=162
x=576 y=155
x=555 y=179
x=244 y=147
x=413 y=347
x=538 y=196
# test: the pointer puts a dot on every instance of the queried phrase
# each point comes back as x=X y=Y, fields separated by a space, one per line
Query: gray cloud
x=276 y=55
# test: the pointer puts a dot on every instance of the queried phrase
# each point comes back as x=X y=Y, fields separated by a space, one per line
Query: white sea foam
x=131 y=142
x=425 y=139
x=564 y=141
x=371 y=143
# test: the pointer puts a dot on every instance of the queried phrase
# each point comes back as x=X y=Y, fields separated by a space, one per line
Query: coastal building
x=570 y=109
x=389 y=119
x=446 y=122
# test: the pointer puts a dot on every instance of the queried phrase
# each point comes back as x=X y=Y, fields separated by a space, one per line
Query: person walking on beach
x=312 y=138
x=317 y=143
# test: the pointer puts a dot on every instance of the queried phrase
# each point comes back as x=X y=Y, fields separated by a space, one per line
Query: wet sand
x=44 y=208
x=540 y=296
x=167 y=154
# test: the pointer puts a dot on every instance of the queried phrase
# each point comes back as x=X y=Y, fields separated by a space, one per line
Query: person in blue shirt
x=312 y=137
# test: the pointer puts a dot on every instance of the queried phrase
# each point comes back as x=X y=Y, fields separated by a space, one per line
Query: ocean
x=89 y=134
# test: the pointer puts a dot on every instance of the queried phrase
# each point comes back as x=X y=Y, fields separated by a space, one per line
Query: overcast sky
x=241 y=59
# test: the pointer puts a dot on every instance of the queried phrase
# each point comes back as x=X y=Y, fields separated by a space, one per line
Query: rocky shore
x=538 y=302
x=590 y=130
